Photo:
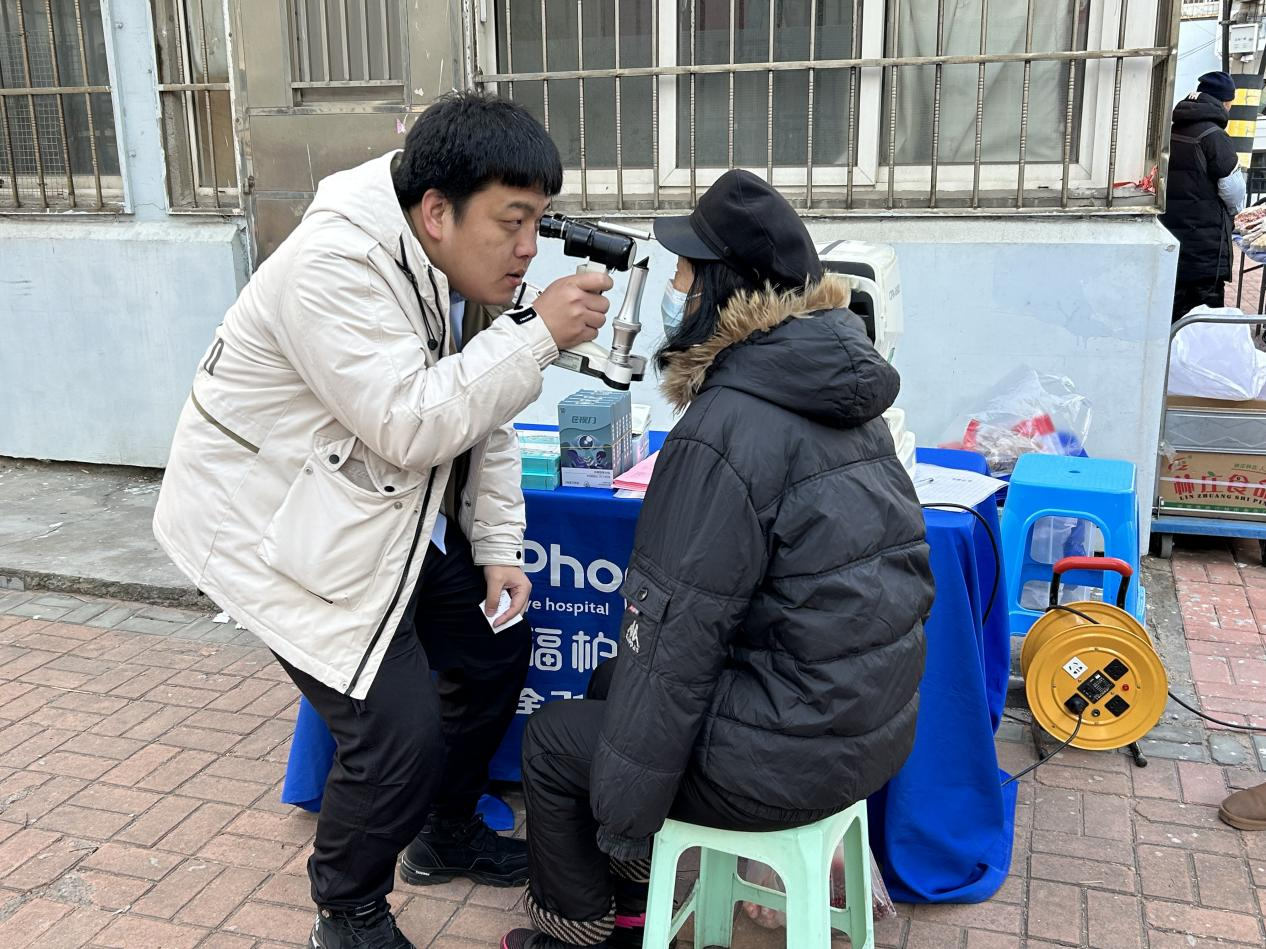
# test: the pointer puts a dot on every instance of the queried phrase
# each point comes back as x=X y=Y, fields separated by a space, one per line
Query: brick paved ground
x=142 y=750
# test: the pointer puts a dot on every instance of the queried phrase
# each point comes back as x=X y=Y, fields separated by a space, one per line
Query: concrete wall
x=1088 y=299
x=102 y=317
x=102 y=327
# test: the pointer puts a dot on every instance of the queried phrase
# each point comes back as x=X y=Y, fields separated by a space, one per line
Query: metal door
x=327 y=84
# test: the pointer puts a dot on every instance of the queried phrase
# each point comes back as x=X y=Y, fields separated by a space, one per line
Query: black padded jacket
x=1201 y=153
x=773 y=638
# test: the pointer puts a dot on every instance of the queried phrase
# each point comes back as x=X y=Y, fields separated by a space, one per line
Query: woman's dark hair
x=713 y=286
x=466 y=141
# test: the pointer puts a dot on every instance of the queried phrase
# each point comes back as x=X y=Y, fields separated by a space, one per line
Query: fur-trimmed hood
x=803 y=351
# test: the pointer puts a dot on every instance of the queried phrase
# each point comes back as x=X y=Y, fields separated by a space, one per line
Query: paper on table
x=628 y=494
x=637 y=477
x=502 y=606
x=937 y=485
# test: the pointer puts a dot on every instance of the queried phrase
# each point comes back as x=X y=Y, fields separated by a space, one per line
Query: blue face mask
x=673 y=308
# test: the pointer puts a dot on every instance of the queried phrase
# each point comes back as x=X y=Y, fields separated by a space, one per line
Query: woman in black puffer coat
x=773 y=644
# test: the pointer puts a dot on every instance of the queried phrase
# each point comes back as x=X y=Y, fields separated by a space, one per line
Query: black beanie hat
x=1219 y=85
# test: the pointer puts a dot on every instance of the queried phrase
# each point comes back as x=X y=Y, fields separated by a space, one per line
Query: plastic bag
x=763 y=875
x=1217 y=360
x=1053 y=539
x=1026 y=412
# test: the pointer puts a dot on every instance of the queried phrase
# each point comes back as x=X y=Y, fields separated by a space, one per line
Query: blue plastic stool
x=802 y=859
x=1090 y=489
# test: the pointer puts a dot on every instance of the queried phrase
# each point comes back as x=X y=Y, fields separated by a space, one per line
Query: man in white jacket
x=344 y=482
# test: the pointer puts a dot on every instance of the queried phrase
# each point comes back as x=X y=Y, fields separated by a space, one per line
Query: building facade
x=152 y=153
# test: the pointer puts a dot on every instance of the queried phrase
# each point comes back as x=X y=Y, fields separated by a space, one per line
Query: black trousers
x=1209 y=291
x=417 y=742
x=570 y=877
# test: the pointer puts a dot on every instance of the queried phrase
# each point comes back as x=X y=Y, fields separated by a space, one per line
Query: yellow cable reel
x=1096 y=660
x=1087 y=613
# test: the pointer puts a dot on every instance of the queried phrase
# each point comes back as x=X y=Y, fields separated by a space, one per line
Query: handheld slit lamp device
x=604 y=247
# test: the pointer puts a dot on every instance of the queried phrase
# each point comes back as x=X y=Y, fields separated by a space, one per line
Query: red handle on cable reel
x=1104 y=564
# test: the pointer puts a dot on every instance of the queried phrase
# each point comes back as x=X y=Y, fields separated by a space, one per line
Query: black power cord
x=1068 y=609
x=993 y=542
x=1217 y=721
x=1041 y=761
x=993 y=596
x=1184 y=704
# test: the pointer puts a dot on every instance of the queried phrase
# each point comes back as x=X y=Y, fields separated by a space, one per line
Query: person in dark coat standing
x=1205 y=191
x=772 y=646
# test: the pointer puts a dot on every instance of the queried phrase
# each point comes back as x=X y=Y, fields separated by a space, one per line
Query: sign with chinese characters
x=577 y=547
x=1213 y=482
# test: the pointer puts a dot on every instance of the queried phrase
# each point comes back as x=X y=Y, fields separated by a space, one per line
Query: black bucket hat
x=749 y=226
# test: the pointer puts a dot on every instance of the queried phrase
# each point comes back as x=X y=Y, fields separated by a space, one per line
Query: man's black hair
x=713 y=286
x=466 y=141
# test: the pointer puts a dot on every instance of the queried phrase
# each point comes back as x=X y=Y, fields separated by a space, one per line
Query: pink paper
x=637 y=477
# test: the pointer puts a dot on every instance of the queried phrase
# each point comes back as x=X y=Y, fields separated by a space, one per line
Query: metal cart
x=1214 y=430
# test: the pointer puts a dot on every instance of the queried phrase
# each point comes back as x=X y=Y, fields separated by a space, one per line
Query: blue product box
x=538 y=452
x=540 y=482
x=595 y=430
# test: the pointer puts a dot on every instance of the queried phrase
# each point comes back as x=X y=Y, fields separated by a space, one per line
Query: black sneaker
x=372 y=927
x=467 y=848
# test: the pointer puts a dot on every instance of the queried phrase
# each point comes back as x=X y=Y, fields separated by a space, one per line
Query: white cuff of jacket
x=498 y=553
x=544 y=349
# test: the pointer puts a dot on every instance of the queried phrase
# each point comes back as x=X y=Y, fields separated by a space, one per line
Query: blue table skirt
x=941 y=829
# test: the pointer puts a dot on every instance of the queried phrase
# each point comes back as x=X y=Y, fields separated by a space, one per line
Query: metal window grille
x=1201 y=9
x=197 y=107
x=846 y=105
x=57 y=138
x=347 y=49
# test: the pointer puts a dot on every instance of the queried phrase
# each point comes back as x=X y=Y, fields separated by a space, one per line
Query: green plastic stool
x=801 y=857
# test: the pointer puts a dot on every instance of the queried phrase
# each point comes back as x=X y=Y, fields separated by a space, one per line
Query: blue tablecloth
x=941 y=829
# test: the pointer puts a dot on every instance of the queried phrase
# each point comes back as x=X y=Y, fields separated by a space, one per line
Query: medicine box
x=538 y=452
x=595 y=430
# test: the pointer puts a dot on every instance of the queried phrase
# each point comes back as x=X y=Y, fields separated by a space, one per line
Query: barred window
x=197 y=109
x=843 y=104
x=347 y=50
x=57 y=136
